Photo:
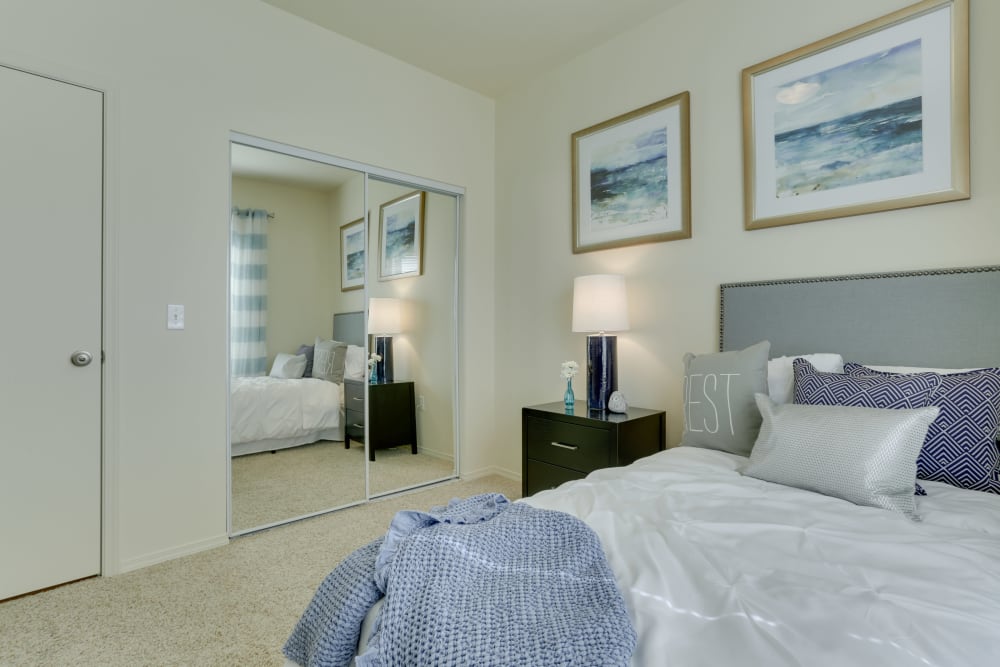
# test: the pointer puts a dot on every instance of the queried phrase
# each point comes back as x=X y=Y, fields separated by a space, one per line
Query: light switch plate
x=175 y=317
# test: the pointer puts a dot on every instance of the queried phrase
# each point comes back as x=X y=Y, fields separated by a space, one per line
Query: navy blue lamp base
x=602 y=370
x=383 y=367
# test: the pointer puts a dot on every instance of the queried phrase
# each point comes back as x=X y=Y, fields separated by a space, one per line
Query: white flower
x=569 y=369
x=374 y=359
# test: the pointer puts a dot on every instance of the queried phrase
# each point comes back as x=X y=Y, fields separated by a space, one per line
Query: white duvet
x=720 y=569
x=264 y=408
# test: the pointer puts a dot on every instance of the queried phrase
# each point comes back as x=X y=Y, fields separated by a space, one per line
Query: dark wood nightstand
x=558 y=447
x=392 y=415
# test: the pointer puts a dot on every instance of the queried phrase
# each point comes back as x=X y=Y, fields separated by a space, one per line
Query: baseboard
x=172 y=553
x=436 y=454
x=492 y=470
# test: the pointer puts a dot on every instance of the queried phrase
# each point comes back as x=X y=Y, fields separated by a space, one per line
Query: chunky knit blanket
x=479 y=582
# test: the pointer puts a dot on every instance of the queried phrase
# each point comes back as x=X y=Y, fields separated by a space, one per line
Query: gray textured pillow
x=328 y=360
x=719 y=410
x=867 y=456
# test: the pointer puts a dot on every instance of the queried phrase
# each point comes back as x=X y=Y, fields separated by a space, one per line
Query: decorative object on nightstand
x=568 y=372
x=558 y=446
x=383 y=321
x=373 y=360
x=600 y=304
x=617 y=403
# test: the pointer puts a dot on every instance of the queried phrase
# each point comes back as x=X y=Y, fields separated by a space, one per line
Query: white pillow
x=867 y=456
x=781 y=379
x=918 y=369
x=355 y=363
x=288 y=365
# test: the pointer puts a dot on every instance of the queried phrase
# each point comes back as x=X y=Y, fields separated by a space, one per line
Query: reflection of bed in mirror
x=271 y=413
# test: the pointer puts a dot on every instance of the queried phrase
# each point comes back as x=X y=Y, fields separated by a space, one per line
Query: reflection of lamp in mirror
x=383 y=321
x=600 y=305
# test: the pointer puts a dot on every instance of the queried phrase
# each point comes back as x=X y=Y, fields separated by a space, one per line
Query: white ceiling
x=252 y=162
x=484 y=45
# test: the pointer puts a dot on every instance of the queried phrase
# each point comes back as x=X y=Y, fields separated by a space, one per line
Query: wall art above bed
x=632 y=177
x=871 y=119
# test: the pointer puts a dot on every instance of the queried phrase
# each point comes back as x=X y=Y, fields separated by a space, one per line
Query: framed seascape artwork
x=401 y=237
x=352 y=255
x=871 y=119
x=632 y=177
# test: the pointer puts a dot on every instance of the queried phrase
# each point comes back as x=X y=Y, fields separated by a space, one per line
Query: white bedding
x=270 y=409
x=721 y=569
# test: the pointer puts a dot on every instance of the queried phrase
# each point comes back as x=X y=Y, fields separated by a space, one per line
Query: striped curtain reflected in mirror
x=248 y=292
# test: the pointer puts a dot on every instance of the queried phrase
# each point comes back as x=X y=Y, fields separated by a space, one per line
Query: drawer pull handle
x=563 y=446
x=355 y=398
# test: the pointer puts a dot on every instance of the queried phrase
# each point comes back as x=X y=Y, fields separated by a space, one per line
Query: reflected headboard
x=946 y=318
x=349 y=327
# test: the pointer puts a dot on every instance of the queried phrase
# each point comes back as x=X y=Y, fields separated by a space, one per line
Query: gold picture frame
x=632 y=177
x=822 y=140
x=401 y=237
x=352 y=255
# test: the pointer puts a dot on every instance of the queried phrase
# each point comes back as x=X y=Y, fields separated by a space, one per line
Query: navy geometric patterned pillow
x=885 y=390
x=961 y=445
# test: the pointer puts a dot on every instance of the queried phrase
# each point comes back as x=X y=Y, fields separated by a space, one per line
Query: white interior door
x=51 y=198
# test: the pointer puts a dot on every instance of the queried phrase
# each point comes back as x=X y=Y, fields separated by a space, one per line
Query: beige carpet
x=300 y=480
x=234 y=605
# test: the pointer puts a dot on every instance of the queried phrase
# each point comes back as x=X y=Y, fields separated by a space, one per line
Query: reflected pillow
x=867 y=456
x=960 y=448
x=355 y=363
x=288 y=365
x=719 y=409
x=328 y=360
x=307 y=350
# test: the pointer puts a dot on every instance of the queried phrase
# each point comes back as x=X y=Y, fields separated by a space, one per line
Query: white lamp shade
x=383 y=316
x=600 y=303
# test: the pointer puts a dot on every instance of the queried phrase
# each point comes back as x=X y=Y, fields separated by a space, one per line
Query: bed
x=718 y=566
x=271 y=413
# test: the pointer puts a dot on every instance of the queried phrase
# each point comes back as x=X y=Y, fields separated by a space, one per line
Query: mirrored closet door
x=343 y=333
x=296 y=332
x=412 y=303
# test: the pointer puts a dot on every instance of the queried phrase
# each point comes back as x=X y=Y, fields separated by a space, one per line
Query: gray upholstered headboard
x=943 y=318
x=349 y=327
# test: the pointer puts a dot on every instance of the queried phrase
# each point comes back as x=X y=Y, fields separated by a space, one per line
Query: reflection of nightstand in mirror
x=354 y=411
x=392 y=412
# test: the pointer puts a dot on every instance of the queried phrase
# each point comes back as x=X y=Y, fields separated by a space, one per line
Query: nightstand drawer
x=544 y=476
x=354 y=395
x=354 y=418
x=572 y=446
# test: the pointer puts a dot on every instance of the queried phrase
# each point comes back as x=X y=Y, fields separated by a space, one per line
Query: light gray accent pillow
x=328 y=360
x=867 y=456
x=719 y=410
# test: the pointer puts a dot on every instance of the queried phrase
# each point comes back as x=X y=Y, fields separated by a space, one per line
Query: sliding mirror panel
x=296 y=335
x=412 y=329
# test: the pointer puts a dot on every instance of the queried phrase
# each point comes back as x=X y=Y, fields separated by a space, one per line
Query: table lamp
x=600 y=305
x=383 y=321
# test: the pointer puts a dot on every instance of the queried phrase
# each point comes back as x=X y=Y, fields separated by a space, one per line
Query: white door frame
x=110 y=553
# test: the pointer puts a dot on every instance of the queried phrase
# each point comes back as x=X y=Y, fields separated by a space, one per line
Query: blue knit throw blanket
x=479 y=582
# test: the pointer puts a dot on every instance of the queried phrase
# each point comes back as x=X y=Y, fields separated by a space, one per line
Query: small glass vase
x=569 y=400
x=373 y=375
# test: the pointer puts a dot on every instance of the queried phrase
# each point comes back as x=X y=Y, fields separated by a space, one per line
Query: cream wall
x=181 y=75
x=302 y=272
x=700 y=46
x=424 y=351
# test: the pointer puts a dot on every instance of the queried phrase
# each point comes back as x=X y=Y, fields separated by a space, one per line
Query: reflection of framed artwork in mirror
x=352 y=255
x=401 y=237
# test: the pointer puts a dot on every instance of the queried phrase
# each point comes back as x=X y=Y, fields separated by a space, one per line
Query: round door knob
x=81 y=358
